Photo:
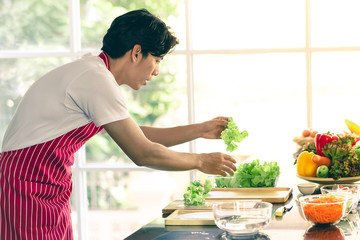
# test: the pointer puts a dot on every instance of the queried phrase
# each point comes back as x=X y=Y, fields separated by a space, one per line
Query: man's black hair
x=138 y=27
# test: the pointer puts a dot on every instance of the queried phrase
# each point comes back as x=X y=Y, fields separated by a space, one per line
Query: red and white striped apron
x=35 y=186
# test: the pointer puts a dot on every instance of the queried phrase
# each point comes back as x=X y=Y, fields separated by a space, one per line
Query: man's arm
x=143 y=152
x=176 y=135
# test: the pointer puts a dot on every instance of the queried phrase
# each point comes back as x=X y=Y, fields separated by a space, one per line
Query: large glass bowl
x=242 y=217
x=350 y=191
x=323 y=208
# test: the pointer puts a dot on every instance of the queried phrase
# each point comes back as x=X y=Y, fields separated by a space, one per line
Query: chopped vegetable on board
x=196 y=193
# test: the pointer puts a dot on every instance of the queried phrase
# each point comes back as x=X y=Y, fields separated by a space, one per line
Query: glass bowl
x=323 y=208
x=351 y=191
x=242 y=217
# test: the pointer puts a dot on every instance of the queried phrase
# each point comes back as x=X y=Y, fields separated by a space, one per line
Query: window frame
x=80 y=167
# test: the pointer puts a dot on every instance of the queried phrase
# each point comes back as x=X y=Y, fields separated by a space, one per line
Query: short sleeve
x=97 y=95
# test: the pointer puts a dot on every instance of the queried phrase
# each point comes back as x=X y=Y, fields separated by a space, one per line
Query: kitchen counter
x=290 y=226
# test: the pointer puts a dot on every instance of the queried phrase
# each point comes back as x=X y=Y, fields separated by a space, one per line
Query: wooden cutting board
x=190 y=217
x=179 y=205
x=272 y=195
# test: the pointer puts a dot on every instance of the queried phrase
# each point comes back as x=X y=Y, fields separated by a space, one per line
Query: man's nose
x=156 y=71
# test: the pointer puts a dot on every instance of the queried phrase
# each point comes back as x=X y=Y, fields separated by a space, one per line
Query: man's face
x=146 y=68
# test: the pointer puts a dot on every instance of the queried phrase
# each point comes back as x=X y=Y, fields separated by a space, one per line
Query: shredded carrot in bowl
x=324 y=209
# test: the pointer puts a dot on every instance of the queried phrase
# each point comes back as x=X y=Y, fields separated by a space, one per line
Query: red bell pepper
x=323 y=138
x=356 y=140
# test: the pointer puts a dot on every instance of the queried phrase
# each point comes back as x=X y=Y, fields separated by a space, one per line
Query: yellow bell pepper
x=305 y=166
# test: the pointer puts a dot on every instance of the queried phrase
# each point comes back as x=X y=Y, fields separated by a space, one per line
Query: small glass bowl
x=307 y=188
x=350 y=191
x=242 y=217
x=323 y=208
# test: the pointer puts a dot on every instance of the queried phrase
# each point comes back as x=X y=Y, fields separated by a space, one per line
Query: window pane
x=98 y=15
x=336 y=87
x=34 y=25
x=177 y=22
x=238 y=24
x=264 y=93
x=335 y=23
x=16 y=76
x=120 y=203
x=162 y=102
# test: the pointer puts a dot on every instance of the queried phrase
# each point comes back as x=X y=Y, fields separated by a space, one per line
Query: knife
x=281 y=210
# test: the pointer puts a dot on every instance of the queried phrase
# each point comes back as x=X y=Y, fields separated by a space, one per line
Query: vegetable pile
x=196 y=193
x=329 y=212
x=331 y=155
x=231 y=135
x=251 y=174
x=345 y=161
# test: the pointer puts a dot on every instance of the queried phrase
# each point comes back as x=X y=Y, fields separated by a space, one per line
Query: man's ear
x=136 y=52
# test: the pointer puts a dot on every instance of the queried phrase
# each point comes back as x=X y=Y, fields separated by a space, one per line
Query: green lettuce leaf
x=251 y=174
x=231 y=135
x=197 y=192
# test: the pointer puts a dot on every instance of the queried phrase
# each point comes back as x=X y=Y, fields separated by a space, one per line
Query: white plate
x=324 y=181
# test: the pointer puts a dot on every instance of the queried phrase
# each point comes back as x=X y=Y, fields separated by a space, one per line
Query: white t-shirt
x=66 y=98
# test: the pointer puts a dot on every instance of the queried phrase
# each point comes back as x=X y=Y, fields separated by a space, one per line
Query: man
x=70 y=104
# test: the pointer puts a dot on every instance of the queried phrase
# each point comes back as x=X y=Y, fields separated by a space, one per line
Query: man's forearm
x=172 y=136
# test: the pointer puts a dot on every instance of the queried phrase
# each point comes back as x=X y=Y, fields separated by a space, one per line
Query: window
x=273 y=65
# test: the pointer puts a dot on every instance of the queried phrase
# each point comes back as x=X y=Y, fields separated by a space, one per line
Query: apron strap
x=105 y=58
